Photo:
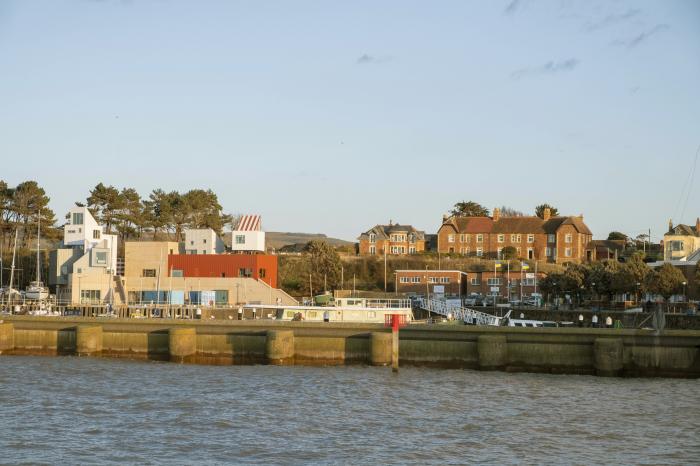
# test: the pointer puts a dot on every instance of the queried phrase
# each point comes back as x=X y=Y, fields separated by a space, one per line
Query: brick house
x=456 y=283
x=552 y=239
x=395 y=239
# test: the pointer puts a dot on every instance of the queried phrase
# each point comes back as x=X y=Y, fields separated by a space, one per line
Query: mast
x=12 y=267
x=38 y=258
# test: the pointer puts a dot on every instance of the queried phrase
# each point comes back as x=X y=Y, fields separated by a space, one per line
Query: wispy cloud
x=366 y=59
x=611 y=19
x=551 y=67
x=512 y=7
x=642 y=37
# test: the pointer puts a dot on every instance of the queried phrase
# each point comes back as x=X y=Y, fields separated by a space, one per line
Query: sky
x=330 y=117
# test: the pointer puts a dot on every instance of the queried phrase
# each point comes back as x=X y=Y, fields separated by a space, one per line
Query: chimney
x=580 y=216
x=496 y=214
x=670 y=224
x=546 y=214
x=697 y=226
x=390 y=222
x=444 y=218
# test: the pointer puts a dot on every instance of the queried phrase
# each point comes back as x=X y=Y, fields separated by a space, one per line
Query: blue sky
x=334 y=116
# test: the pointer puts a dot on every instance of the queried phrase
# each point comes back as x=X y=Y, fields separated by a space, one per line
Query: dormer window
x=372 y=237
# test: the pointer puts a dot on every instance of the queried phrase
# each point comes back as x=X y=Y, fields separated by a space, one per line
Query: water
x=82 y=411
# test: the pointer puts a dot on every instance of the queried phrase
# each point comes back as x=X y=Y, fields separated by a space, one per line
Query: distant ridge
x=276 y=239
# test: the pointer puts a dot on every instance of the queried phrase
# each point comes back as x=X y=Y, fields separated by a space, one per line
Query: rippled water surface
x=83 y=410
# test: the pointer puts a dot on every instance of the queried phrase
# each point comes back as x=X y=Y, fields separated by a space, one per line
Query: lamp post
x=636 y=294
x=684 y=292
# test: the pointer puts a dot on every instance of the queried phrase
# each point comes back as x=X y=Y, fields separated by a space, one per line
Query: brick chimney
x=496 y=214
x=546 y=214
x=697 y=226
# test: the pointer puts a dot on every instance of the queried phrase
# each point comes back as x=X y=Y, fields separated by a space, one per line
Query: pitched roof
x=515 y=224
x=685 y=230
x=383 y=231
x=248 y=223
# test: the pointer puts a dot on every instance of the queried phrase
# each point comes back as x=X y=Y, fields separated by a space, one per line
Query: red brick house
x=553 y=239
x=394 y=239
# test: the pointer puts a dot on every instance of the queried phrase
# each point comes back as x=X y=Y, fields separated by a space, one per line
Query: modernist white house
x=84 y=266
x=247 y=237
x=203 y=241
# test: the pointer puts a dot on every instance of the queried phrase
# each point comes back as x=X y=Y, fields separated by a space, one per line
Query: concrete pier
x=182 y=344
x=611 y=352
x=88 y=340
x=380 y=347
x=279 y=347
x=609 y=360
x=7 y=337
x=492 y=351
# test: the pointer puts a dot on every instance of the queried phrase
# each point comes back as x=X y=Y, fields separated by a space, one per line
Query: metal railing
x=465 y=314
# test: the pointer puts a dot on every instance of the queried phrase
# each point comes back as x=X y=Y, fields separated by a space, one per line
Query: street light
x=684 y=291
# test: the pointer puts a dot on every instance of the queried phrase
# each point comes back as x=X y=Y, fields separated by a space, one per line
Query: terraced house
x=558 y=239
x=392 y=239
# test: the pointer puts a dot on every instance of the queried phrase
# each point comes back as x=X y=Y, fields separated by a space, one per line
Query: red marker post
x=395 y=321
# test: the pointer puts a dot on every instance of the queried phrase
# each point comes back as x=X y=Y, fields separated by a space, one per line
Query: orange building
x=258 y=266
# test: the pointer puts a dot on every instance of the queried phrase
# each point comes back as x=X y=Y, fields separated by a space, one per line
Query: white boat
x=355 y=310
x=36 y=290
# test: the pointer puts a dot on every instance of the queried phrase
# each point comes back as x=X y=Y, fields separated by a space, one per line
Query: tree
x=323 y=264
x=469 y=209
x=539 y=210
x=131 y=218
x=509 y=252
x=104 y=203
x=158 y=212
x=29 y=203
x=511 y=212
x=617 y=236
x=666 y=281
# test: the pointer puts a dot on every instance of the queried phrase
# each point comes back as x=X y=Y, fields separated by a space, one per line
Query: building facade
x=392 y=239
x=551 y=239
x=203 y=241
x=247 y=236
x=681 y=241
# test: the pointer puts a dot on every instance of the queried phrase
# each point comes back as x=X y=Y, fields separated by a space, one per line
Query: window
x=398 y=250
x=247 y=273
x=205 y=240
x=415 y=279
x=191 y=242
x=466 y=250
x=529 y=282
x=450 y=238
x=372 y=237
x=530 y=253
x=432 y=280
x=676 y=246
x=95 y=234
x=89 y=296
x=551 y=238
x=548 y=252
x=462 y=238
x=515 y=238
x=518 y=251
x=500 y=252
x=148 y=273
x=177 y=273
x=240 y=239
x=568 y=238
x=530 y=238
x=479 y=252
x=398 y=238
x=494 y=281
x=567 y=252
x=77 y=218
x=262 y=273
x=372 y=249
x=475 y=281
x=444 y=279
x=101 y=258
x=64 y=270
x=411 y=249
x=204 y=251
x=479 y=238
x=404 y=280
x=501 y=238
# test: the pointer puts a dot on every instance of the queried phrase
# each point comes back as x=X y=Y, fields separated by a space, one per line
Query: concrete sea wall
x=605 y=352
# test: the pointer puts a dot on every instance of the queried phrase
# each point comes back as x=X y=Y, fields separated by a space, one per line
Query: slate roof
x=515 y=224
x=383 y=231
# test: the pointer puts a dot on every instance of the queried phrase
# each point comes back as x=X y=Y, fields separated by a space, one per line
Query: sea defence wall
x=605 y=352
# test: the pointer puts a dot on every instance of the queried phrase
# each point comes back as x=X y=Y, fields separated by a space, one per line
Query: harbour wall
x=605 y=352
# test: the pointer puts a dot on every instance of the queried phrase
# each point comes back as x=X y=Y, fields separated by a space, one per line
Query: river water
x=69 y=410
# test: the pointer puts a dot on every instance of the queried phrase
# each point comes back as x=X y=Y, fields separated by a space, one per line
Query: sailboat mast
x=12 y=267
x=38 y=236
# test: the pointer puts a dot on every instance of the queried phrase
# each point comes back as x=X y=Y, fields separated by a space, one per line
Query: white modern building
x=248 y=237
x=203 y=241
x=84 y=266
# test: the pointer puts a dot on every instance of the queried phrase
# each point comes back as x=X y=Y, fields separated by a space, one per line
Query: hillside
x=278 y=239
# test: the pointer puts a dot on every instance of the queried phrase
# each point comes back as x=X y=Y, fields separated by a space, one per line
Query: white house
x=247 y=236
x=203 y=241
x=84 y=266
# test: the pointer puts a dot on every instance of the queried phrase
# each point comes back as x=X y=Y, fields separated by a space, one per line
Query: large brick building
x=392 y=239
x=551 y=239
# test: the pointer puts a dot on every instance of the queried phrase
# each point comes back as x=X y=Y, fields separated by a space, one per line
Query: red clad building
x=259 y=266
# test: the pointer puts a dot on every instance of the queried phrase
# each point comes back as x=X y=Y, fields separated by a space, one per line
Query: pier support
x=88 y=340
x=493 y=351
x=279 y=347
x=7 y=337
x=380 y=352
x=182 y=344
x=608 y=356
